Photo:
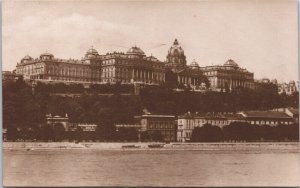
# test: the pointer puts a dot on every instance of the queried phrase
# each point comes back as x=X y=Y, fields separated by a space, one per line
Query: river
x=156 y=167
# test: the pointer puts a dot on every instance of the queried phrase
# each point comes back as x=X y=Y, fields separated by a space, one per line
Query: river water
x=157 y=167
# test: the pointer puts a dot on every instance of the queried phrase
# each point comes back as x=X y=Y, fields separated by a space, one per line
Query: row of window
x=161 y=126
x=29 y=71
x=192 y=124
x=271 y=122
x=188 y=80
x=238 y=74
x=125 y=62
x=71 y=79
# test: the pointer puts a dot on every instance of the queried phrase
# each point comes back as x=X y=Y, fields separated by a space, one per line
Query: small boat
x=130 y=146
x=156 y=145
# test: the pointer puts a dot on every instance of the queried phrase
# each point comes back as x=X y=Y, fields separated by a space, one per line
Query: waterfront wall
x=200 y=146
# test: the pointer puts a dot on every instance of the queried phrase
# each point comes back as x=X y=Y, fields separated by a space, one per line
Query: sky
x=260 y=35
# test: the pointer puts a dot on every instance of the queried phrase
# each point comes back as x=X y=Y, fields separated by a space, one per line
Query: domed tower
x=231 y=63
x=176 y=58
x=26 y=59
x=136 y=52
x=194 y=65
x=46 y=56
x=91 y=53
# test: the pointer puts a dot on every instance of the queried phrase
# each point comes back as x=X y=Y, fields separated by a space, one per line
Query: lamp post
x=33 y=84
x=139 y=135
x=117 y=130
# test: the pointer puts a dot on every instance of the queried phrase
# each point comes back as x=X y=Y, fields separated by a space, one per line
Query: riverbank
x=181 y=146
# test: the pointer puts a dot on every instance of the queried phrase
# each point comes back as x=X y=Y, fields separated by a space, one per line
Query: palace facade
x=228 y=76
x=185 y=75
x=50 y=69
x=129 y=67
x=134 y=67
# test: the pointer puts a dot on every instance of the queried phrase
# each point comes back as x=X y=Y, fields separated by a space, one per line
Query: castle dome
x=46 y=56
x=27 y=57
x=194 y=65
x=176 y=49
x=135 y=51
x=176 y=58
x=91 y=53
x=152 y=58
x=231 y=63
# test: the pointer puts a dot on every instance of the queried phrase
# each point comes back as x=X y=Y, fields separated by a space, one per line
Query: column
x=139 y=74
x=132 y=75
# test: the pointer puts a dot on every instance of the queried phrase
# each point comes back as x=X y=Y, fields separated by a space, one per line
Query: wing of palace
x=134 y=67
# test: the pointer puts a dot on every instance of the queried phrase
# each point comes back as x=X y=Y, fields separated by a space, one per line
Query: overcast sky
x=260 y=36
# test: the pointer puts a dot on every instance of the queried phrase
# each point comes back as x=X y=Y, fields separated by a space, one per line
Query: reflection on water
x=150 y=167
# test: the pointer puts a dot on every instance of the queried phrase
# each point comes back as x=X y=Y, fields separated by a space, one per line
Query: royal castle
x=135 y=66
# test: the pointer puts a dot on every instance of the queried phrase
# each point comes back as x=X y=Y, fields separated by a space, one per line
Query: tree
x=206 y=133
x=47 y=133
x=171 y=79
x=79 y=134
x=241 y=131
x=59 y=132
x=12 y=133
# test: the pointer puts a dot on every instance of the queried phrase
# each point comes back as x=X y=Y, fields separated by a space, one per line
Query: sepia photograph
x=201 y=93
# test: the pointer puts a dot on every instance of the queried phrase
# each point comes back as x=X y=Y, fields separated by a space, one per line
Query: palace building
x=134 y=67
x=50 y=69
x=185 y=75
x=228 y=76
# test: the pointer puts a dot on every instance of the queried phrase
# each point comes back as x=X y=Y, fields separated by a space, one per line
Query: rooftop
x=211 y=115
x=153 y=115
x=265 y=114
x=294 y=111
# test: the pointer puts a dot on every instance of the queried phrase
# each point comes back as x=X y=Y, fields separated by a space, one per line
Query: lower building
x=87 y=127
x=271 y=118
x=159 y=127
x=288 y=88
x=58 y=120
x=188 y=121
x=294 y=113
